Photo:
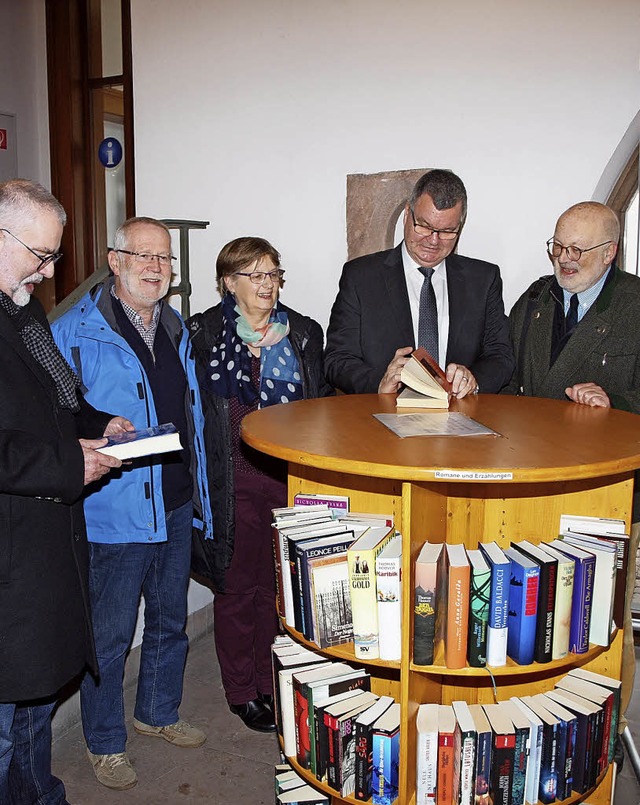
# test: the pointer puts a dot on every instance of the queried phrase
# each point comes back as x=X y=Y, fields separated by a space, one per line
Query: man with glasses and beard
x=45 y=633
x=131 y=349
x=421 y=294
x=576 y=337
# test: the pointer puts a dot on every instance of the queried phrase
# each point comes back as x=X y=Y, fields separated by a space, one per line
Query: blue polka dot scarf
x=280 y=380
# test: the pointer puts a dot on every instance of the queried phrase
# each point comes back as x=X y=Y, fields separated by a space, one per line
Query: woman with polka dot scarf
x=251 y=351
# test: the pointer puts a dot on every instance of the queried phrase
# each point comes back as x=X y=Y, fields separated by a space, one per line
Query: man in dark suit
x=45 y=632
x=378 y=317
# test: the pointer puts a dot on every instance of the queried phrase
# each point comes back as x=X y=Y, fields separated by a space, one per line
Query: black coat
x=45 y=631
x=371 y=319
x=211 y=558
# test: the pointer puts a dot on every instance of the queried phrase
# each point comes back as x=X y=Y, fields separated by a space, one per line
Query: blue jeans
x=25 y=756
x=118 y=574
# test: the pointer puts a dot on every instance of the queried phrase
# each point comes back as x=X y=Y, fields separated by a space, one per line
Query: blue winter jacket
x=128 y=506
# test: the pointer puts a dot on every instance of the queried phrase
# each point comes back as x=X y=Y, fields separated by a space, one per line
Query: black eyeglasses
x=49 y=257
x=555 y=249
x=147 y=259
x=258 y=277
x=424 y=230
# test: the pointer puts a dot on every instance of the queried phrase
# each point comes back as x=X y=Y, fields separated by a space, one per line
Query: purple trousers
x=245 y=619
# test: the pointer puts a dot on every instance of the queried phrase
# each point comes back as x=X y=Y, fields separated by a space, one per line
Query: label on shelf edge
x=470 y=475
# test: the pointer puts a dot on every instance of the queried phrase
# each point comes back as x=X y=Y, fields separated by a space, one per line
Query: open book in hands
x=427 y=385
x=146 y=442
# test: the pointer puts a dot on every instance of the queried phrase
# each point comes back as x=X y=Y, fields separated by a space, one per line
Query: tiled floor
x=234 y=767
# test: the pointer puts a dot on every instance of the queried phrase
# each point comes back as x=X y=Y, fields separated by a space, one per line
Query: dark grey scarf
x=39 y=341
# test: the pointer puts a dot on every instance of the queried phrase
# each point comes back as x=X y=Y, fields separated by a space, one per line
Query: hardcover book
x=345 y=750
x=586 y=729
x=337 y=705
x=523 y=607
x=546 y=597
x=427 y=384
x=457 y=591
x=427 y=609
x=582 y=601
x=466 y=744
x=386 y=757
x=484 y=756
x=361 y=557
x=331 y=612
x=504 y=747
x=564 y=598
x=522 y=729
x=532 y=779
x=498 y=603
x=548 y=783
x=478 y=609
x=332 y=715
x=364 y=746
x=446 y=754
x=287 y=709
x=303 y=795
x=337 y=503
x=389 y=592
x=604 y=698
x=427 y=754
x=566 y=743
x=604 y=586
x=288 y=660
x=615 y=686
x=145 y=442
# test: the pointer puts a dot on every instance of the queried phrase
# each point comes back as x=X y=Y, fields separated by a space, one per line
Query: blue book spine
x=484 y=751
x=581 y=605
x=548 y=786
x=498 y=613
x=386 y=761
x=523 y=613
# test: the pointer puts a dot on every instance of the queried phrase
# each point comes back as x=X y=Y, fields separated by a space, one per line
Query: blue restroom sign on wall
x=110 y=152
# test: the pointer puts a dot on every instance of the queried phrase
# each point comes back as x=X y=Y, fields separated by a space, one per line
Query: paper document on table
x=432 y=424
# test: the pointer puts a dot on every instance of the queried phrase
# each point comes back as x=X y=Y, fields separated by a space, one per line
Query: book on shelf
x=305 y=552
x=566 y=743
x=604 y=698
x=586 y=714
x=336 y=503
x=337 y=705
x=367 y=519
x=427 y=754
x=604 y=585
x=361 y=557
x=615 y=686
x=427 y=384
x=621 y=544
x=548 y=780
x=523 y=606
x=532 y=779
x=446 y=754
x=563 y=602
x=283 y=668
x=466 y=744
x=319 y=691
x=303 y=685
x=457 y=579
x=386 y=757
x=343 y=779
x=144 y=442
x=364 y=746
x=484 y=753
x=522 y=729
x=389 y=593
x=582 y=600
x=287 y=781
x=504 y=747
x=497 y=630
x=331 y=612
x=302 y=795
x=586 y=524
x=546 y=597
x=293 y=514
x=480 y=588
x=428 y=607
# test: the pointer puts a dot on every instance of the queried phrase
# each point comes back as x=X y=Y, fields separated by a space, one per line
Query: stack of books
x=331 y=723
x=527 y=602
x=543 y=747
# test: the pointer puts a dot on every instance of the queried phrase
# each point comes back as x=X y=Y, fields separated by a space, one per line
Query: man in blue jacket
x=131 y=352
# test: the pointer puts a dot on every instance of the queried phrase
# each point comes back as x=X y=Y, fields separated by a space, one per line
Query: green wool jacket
x=604 y=347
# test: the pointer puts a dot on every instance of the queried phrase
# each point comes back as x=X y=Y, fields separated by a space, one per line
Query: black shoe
x=266 y=698
x=256 y=715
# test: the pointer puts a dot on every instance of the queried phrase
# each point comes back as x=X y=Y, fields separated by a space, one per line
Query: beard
x=21 y=295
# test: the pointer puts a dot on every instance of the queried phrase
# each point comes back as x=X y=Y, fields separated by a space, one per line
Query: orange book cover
x=446 y=754
x=457 y=606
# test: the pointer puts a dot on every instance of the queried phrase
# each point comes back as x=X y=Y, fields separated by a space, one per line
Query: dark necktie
x=571 y=319
x=428 y=316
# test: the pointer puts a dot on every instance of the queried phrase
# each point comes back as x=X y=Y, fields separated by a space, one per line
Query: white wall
x=23 y=83
x=251 y=115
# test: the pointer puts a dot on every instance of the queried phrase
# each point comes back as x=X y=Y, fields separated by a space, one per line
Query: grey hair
x=445 y=188
x=22 y=198
x=120 y=237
